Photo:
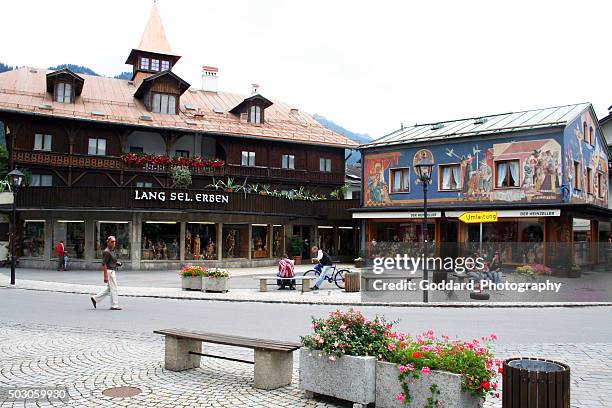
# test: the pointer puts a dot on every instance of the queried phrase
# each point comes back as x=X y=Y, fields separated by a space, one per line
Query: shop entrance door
x=447 y=243
x=304 y=231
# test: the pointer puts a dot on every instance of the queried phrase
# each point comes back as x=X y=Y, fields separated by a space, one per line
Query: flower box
x=212 y=284
x=388 y=387
x=350 y=378
x=191 y=283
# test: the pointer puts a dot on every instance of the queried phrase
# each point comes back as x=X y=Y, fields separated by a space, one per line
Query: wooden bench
x=304 y=281
x=273 y=359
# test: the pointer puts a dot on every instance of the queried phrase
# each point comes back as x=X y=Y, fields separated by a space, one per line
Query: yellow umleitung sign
x=478 y=216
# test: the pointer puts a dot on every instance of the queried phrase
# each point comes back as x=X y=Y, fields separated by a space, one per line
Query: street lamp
x=424 y=168
x=15 y=178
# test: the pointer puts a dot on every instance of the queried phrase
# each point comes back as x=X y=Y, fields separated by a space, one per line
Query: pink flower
x=403 y=369
x=493 y=336
x=400 y=397
x=391 y=347
x=372 y=331
x=425 y=370
x=410 y=367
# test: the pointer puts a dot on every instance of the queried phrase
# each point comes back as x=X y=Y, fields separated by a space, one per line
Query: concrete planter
x=348 y=378
x=451 y=395
x=191 y=283
x=215 y=284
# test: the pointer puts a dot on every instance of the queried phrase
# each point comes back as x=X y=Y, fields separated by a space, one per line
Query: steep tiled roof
x=111 y=100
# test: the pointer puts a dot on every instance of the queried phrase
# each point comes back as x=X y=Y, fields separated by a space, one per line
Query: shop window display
x=73 y=235
x=120 y=230
x=200 y=241
x=346 y=238
x=33 y=242
x=326 y=240
x=582 y=241
x=260 y=237
x=278 y=238
x=235 y=240
x=160 y=241
x=518 y=242
x=391 y=238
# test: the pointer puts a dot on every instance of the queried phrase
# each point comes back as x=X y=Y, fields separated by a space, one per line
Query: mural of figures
x=377 y=177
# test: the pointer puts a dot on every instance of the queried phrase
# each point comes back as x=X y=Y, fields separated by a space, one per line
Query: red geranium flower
x=417 y=354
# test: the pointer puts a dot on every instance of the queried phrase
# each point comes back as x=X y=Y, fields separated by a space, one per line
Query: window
x=450 y=176
x=288 y=161
x=72 y=232
x=507 y=174
x=324 y=164
x=97 y=147
x=41 y=180
x=278 y=241
x=144 y=184
x=235 y=240
x=155 y=65
x=400 y=180
x=589 y=180
x=600 y=185
x=144 y=63
x=160 y=240
x=200 y=241
x=577 y=175
x=63 y=92
x=164 y=103
x=255 y=114
x=584 y=131
x=248 y=158
x=182 y=153
x=120 y=230
x=165 y=65
x=260 y=234
x=591 y=136
x=42 y=142
x=33 y=242
x=136 y=149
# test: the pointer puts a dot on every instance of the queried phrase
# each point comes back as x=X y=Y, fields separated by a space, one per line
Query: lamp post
x=15 y=181
x=424 y=169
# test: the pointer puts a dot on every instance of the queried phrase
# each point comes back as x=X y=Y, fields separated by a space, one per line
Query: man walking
x=325 y=262
x=109 y=266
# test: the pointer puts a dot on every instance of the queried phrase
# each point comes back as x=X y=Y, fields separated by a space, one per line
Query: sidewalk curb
x=336 y=303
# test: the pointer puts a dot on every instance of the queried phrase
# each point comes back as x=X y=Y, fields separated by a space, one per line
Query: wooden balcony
x=256 y=173
x=128 y=198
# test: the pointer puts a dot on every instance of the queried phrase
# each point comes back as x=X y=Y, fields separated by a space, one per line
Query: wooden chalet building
x=100 y=155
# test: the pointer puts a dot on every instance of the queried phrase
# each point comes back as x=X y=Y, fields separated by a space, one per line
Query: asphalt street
x=289 y=321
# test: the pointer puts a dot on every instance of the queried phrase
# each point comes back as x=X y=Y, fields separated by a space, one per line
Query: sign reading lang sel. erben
x=182 y=196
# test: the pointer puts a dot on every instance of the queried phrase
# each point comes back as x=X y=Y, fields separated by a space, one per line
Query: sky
x=367 y=65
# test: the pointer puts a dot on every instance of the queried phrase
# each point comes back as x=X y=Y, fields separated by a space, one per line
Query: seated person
x=285 y=270
x=493 y=272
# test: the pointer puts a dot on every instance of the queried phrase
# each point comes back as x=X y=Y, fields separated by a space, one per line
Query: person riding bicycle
x=325 y=261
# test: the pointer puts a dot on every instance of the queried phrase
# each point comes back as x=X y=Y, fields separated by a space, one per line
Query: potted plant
x=360 y=261
x=525 y=271
x=181 y=176
x=296 y=246
x=264 y=189
x=191 y=277
x=430 y=371
x=343 y=347
x=215 y=280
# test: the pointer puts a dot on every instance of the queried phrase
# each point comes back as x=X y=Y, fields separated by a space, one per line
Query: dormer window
x=165 y=65
x=154 y=65
x=255 y=114
x=164 y=103
x=144 y=63
x=63 y=92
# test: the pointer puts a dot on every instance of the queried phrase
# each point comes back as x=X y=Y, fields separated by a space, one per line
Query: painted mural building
x=545 y=173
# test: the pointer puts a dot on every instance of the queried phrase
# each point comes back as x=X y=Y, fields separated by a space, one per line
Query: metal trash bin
x=535 y=383
x=352 y=282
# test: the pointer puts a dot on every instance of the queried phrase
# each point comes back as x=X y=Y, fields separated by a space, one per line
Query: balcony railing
x=133 y=198
x=230 y=170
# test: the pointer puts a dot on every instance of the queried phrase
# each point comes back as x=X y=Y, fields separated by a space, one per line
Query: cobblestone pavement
x=89 y=361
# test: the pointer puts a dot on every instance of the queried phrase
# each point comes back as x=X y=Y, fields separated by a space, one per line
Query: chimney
x=254 y=89
x=210 y=78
